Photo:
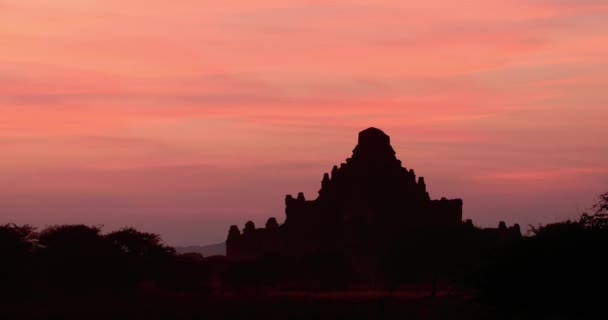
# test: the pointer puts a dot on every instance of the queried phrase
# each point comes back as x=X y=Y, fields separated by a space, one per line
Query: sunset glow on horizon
x=185 y=117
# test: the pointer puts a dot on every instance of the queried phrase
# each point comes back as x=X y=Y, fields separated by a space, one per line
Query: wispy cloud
x=541 y=175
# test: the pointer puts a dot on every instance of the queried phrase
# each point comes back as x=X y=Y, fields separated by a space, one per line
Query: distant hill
x=218 y=249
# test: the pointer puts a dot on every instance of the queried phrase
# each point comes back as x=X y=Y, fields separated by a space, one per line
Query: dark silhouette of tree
x=139 y=244
x=16 y=250
x=17 y=242
x=560 y=268
x=77 y=259
x=602 y=203
x=598 y=217
x=143 y=255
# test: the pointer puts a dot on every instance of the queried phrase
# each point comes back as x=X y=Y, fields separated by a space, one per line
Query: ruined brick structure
x=363 y=204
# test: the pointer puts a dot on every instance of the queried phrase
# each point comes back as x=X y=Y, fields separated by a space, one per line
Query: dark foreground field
x=163 y=305
x=252 y=305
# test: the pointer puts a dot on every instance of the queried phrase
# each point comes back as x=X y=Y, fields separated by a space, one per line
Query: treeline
x=559 y=267
x=78 y=260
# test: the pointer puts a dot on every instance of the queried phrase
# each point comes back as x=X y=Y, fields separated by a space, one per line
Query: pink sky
x=184 y=117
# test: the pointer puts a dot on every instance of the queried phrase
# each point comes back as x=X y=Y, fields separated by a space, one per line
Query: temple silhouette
x=363 y=205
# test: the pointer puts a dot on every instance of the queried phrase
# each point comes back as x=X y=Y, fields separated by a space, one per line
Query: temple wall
x=370 y=197
x=447 y=212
